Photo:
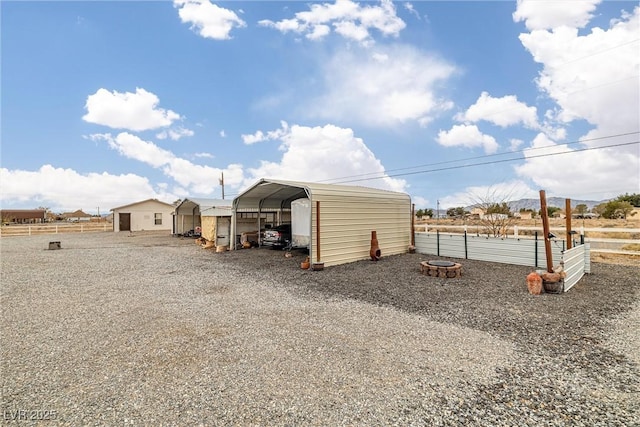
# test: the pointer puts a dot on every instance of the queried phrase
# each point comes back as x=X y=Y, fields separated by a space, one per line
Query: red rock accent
x=534 y=283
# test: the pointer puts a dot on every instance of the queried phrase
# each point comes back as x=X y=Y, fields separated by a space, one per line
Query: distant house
x=76 y=216
x=22 y=216
x=481 y=214
x=524 y=215
x=146 y=215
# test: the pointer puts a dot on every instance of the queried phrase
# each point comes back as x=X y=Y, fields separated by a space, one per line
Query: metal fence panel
x=506 y=251
x=451 y=245
x=574 y=265
x=491 y=249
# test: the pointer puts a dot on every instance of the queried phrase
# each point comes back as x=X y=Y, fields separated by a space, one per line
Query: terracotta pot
x=305 y=265
x=374 y=252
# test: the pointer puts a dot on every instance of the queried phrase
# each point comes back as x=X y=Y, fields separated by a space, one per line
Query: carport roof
x=140 y=202
x=276 y=194
x=205 y=206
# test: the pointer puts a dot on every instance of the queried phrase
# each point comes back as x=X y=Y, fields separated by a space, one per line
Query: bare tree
x=496 y=217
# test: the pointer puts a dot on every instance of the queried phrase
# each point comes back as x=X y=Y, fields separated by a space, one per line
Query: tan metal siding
x=347 y=221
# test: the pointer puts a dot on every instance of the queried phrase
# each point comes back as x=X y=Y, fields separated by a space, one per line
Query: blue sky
x=107 y=103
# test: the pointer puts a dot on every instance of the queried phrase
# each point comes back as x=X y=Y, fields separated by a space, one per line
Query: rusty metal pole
x=413 y=226
x=545 y=230
x=567 y=209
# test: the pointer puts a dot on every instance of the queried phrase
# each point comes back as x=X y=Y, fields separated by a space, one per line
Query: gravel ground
x=154 y=330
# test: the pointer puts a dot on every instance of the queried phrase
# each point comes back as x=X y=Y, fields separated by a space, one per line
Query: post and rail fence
x=56 y=228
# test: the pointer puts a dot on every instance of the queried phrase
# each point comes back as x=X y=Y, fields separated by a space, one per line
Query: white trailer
x=301 y=223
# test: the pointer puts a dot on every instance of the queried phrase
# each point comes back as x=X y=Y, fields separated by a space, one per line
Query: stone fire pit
x=436 y=268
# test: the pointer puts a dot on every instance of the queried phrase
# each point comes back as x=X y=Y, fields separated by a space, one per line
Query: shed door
x=223 y=231
x=125 y=221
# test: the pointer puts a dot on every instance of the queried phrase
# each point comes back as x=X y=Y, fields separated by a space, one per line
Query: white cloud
x=498 y=193
x=208 y=19
x=503 y=112
x=204 y=155
x=606 y=172
x=132 y=147
x=349 y=19
x=196 y=178
x=66 y=190
x=323 y=153
x=132 y=111
x=591 y=77
x=174 y=134
x=271 y=135
x=467 y=136
x=222 y=134
x=409 y=7
x=258 y=136
x=382 y=87
x=515 y=144
x=542 y=15
x=420 y=202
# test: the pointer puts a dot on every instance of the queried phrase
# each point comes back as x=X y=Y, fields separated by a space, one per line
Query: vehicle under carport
x=341 y=220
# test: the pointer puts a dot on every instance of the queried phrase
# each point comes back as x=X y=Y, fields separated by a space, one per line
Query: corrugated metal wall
x=507 y=251
x=347 y=219
x=576 y=264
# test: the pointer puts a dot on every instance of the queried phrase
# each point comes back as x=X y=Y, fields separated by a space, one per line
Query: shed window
x=158 y=218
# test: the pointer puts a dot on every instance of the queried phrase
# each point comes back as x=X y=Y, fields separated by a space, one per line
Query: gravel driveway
x=153 y=330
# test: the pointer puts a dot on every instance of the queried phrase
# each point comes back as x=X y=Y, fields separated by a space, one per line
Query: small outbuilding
x=340 y=221
x=209 y=218
x=147 y=215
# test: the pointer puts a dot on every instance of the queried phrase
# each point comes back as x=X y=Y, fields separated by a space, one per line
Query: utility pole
x=438 y=211
x=222 y=184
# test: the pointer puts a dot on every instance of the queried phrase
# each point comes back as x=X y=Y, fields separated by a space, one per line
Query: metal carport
x=348 y=215
x=189 y=214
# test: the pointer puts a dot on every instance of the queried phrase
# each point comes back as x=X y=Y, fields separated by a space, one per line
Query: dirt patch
x=617 y=259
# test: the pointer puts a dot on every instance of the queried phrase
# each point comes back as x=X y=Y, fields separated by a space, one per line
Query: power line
x=478 y=157
x=489 y=163
x=386 y=175
x=596 y=53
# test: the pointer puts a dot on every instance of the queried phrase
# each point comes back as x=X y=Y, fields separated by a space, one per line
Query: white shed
x=342 y=217
x=211 y=218
x=147 y=215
